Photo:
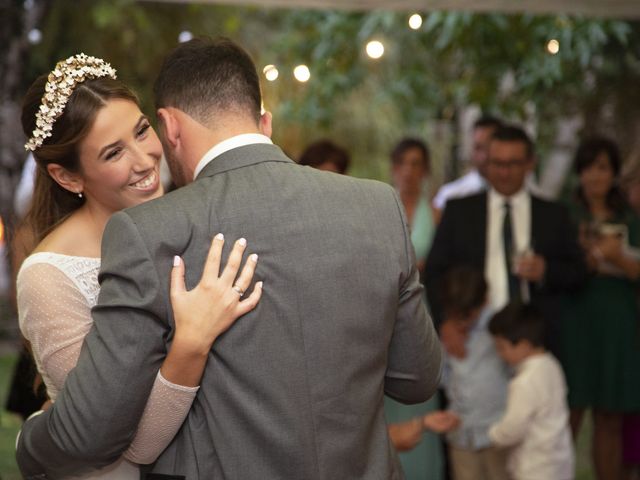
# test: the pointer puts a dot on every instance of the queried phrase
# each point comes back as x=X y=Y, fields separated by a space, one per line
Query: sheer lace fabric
x=55 y=296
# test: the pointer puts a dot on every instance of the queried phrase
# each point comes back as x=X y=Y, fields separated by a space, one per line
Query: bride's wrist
x=185 y=361
x=190 y=345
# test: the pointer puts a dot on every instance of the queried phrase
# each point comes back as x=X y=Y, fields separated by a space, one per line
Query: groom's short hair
x=206 y=76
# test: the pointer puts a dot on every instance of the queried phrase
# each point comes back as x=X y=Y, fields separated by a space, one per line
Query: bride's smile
x=148 y=183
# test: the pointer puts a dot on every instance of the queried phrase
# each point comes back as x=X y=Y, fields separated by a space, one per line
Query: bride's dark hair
x=51 y=203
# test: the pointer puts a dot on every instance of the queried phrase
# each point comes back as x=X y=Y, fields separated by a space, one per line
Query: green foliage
x=499 y=62
x=453 y=60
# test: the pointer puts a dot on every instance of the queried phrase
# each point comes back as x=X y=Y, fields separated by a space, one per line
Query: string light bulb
x=271 y=72
x=302 y=73
x=375 y=49
x=415 y=21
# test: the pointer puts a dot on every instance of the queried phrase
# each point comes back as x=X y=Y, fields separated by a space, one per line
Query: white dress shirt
x=229 y=144
x=464 y=186
x=536 y=422
x=495 y=268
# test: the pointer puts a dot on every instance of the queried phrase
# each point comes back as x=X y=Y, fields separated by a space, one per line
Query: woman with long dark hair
x=600 y=351
x=97 y=154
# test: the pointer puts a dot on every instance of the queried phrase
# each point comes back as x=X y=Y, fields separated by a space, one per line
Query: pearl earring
x=80 y=195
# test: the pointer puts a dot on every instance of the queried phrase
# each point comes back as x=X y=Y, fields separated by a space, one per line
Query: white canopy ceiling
x=603 y=8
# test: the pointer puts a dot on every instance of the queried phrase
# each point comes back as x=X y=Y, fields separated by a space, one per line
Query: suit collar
x=229 y=144
x=243 y=157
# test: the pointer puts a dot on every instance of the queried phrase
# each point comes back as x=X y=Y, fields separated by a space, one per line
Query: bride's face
x=120 y=158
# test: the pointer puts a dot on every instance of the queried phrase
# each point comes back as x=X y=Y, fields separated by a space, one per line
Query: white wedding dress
x=55 y=296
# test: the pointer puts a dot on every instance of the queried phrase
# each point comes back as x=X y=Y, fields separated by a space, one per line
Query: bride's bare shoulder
x=74 y=236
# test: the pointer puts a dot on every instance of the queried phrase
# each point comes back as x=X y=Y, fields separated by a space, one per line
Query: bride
x=97 y=153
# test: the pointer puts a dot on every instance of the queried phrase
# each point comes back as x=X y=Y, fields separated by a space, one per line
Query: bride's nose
x=143 y=159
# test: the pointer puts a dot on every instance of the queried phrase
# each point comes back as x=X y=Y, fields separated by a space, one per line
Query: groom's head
x=207 y=90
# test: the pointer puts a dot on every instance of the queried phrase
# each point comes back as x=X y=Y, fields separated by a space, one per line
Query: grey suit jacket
x=294 y=390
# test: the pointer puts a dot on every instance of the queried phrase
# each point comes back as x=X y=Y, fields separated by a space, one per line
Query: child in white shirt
x=536 y=421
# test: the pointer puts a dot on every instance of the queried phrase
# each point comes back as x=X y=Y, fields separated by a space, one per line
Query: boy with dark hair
x=475 y=379
x=536 y=421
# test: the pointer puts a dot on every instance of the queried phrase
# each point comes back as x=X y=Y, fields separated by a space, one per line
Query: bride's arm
x=200 y=315
x=54 y=317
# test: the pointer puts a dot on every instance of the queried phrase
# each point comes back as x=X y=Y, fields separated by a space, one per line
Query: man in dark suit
x=296 y=390
x=526 y=246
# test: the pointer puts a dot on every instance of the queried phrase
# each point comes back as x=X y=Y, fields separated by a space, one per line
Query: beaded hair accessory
x=60 y=84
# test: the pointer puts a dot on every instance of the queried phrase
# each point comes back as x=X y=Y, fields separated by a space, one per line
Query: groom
x=295 y=390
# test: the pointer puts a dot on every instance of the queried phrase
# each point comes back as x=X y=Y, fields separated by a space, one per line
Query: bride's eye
x=113 y=154
x=143 y=129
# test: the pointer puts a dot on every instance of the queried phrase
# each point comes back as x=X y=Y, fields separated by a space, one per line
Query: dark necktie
x=509 y=250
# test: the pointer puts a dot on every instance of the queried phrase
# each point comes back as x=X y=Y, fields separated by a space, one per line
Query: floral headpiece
x=60 y=84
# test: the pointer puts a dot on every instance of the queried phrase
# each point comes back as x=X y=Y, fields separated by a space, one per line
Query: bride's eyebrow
x=141 y=120
x=107 y=147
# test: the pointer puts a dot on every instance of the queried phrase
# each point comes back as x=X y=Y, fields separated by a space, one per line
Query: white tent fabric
x=602 y=8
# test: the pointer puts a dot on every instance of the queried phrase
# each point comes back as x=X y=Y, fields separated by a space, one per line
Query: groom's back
x=294 y=390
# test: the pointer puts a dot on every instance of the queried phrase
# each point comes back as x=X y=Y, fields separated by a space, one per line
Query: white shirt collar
x=229 y=144
x=498 y=200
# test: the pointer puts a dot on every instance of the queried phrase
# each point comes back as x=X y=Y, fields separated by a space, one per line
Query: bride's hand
x=205 y=312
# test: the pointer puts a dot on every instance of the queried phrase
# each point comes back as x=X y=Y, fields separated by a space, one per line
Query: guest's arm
x=513 y=426
x=406 y=435
x=610 y=249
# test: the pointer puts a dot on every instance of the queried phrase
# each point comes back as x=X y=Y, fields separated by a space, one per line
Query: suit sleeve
x=96 y=415
x=415 y=354
x=566 y=268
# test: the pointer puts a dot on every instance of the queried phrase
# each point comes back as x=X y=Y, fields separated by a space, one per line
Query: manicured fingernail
x=243 y=242
x=219 y=236
x=176 y=261
x=259 y=285
x=253 y=257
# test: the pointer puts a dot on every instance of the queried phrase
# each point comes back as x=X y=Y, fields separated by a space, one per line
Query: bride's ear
x=169 y=126
x=67 y=180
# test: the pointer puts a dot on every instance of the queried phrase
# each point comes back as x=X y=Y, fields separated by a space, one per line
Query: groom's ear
x=265 y=123
x=169 y=125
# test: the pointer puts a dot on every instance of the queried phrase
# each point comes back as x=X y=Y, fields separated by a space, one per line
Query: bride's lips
x=148 y=183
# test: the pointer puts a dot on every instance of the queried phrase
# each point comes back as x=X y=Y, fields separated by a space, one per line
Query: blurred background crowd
x=463 y=113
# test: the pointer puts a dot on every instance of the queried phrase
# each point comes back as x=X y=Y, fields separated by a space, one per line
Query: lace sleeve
x=163 y=415
x=55 y=317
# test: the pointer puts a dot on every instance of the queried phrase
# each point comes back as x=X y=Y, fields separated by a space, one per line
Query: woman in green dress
x=601 y=348
x=420 y=451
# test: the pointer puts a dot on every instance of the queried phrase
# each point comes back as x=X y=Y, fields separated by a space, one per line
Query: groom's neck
x=199 y=138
